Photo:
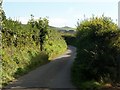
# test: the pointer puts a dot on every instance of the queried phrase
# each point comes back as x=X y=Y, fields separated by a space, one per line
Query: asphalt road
x=53 y=75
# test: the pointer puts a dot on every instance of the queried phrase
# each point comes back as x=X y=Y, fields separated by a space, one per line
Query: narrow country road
x=55 y=74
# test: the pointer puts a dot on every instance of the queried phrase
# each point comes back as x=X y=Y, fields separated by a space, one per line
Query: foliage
x=69 y=38
x=21 y=47
x=18 y=50
x=16 y=63
x=51 y=41
x=42 y=25
x=97 y=48
x=54 y=44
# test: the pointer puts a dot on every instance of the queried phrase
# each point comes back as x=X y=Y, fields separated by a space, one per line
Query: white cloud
x=23 y=20
x=58 y=22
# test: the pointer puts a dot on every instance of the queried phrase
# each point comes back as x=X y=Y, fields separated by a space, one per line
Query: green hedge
x=70 y=39
x=16 y=62
x=97 y=47
x=54 y=44
x=21 y=48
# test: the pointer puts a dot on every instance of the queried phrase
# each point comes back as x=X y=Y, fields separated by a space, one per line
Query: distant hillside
x=66 y=28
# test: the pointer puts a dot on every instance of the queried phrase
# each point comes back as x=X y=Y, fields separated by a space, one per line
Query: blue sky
x=60 y=13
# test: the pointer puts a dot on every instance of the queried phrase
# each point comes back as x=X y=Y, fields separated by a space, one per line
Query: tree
x=41 y=25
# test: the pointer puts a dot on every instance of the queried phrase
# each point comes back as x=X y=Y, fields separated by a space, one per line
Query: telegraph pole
x=118 y=57
x=119 y=14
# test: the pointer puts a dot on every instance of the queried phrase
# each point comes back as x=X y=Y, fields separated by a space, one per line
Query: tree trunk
x=41 y=48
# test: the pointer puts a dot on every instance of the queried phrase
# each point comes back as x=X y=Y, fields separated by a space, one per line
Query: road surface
x=54 y=75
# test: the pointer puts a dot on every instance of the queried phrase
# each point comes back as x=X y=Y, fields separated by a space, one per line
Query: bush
x=20 y=62
x=54 y=44
x=96 y=51
x=70 y=39
x=21 y=48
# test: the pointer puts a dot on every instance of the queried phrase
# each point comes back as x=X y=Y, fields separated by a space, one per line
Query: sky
x=62 y=12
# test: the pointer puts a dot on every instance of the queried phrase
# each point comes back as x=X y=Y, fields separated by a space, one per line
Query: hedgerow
x=21 y=51
x=97 y=51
